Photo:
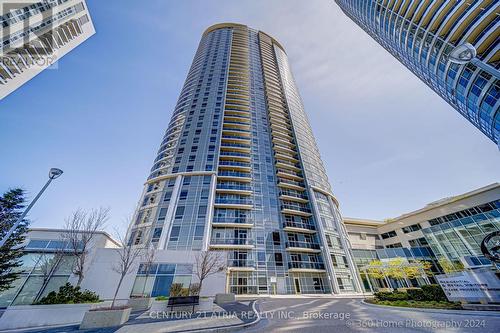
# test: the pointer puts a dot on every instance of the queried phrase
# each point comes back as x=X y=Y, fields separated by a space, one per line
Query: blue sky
x=390 y=145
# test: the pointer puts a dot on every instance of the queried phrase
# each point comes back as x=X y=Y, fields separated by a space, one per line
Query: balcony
x=231 y=243
x=284 y=156
x=299 y=227
x=295 y=209
x=239 y=203
x=235 y=155
x=288 y=165
x=234 y=188
x=235 y=138
x=236 y=130
x=300 y=246
x=289 y=174
x=287 y=183
x=238 y=124
x=293 y=195
x=235 y=175
x=232 y=222
x=301 y=266
x=236 y=147
x=235 y=163
x=241 y=265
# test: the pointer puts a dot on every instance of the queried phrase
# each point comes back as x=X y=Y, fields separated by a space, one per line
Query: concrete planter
x=224 y=298
x=206 y=304
x=105 y=318
x=140 y=303
x=26 y=316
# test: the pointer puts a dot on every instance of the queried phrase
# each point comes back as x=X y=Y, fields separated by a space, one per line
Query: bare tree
x=148 y=257
x=209 y=263
x=80 y=229
x=128 y=256
x=47 y=265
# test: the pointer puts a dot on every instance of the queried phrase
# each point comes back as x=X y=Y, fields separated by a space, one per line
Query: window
x=276 y=238
x=198 y=232
x=162 y=214
x=179 y=212
x=207 y=180
x=389 y=234
x=278 y=258
x=204 y=194
x=393 y=246
x=411 y=228
x=186 y=180
x=183 y=195
x=174 y=235
x=202 y=211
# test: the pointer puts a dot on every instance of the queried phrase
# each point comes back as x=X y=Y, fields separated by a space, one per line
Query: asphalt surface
x=351 y=315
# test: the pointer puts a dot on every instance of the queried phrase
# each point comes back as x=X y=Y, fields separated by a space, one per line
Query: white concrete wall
x=102 y=279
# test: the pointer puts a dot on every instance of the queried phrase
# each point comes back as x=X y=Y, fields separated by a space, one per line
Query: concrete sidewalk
x=226 y=317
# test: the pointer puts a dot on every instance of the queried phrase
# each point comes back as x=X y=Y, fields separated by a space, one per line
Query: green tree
x=11 y=205
x=449 y=266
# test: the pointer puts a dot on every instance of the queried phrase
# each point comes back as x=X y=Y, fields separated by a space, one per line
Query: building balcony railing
x=234 y=174
x=233 y=220
x=233 y=201
x=237 y=187
x=231 y=241
x=232 y=122
x=292 y=193
x=235 y=163
x=234 y=145
x=240 y=263
x=235 y=137
x=291 y=182
x=236 y=130
x=302 y=245
x=305 y=265
x=297 y=207
x=298 y=225
x=234 y=154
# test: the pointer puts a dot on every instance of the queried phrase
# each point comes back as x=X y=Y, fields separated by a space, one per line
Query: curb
x=442 y=311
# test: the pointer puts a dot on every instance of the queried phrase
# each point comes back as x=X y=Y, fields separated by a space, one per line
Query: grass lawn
x=419 y=304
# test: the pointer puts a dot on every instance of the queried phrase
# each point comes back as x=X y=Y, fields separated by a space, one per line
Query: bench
x=183 y=301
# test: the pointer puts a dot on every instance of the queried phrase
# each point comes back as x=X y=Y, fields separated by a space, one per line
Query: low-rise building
x=450 y=229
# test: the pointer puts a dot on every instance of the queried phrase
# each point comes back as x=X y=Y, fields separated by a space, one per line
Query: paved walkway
x=229 y=314
x=351 y=315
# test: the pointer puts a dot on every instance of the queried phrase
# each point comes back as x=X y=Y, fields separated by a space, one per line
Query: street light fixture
x=466 y=53
x=54 y=173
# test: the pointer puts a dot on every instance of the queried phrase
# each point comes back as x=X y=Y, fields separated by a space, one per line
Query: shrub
x=391 y=296
x=68 y=294
x=161 y=298
x=176 y=289
x=416 y=294
x=434 y=292
x=194 y=289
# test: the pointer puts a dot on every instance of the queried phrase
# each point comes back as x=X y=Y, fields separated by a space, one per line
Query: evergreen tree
x=11 y=205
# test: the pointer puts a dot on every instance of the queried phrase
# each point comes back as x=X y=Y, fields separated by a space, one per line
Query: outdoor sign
x=478 y=285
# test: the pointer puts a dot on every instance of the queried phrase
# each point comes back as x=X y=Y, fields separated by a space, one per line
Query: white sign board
x=471 y=286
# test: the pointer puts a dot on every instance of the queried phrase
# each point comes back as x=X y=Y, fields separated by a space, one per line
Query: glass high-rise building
x=36 y=34
x=239 y=171
x=452 y=46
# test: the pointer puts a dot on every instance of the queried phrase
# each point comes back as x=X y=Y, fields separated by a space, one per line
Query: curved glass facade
x=239 y=171
x=421 y=34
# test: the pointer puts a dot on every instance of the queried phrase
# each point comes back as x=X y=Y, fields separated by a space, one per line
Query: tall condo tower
x=35 y=34
x=451 y=45
x=239 y=171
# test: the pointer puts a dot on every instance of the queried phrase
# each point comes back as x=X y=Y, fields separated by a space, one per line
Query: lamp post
x=465 y=53
x=53 y=174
